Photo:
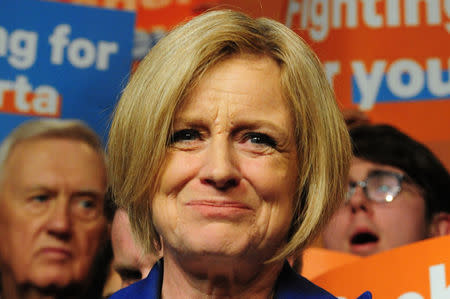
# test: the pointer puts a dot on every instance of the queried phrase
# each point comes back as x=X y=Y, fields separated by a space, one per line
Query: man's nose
x=221 y=168
x=59 y=222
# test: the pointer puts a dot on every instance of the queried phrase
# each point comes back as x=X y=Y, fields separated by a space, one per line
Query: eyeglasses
x=379 y=186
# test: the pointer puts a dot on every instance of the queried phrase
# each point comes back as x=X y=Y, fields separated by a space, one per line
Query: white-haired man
x=52 y=187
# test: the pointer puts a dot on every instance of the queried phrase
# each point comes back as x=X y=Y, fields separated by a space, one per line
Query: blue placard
x=62 y=60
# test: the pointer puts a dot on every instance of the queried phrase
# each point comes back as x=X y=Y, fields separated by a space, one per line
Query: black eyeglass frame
x=373 y=174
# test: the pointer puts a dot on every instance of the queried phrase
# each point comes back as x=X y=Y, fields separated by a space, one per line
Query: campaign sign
x=416 y=271
x=387 y=57
x=54 y=62
x=318 y=261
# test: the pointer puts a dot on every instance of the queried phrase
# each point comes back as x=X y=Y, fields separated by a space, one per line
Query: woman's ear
x=440 y=225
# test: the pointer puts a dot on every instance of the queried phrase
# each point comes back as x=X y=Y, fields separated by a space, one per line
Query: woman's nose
x=221 y=169
x=359 y=201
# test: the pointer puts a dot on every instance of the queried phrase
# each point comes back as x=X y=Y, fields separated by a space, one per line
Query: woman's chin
x=215 y=243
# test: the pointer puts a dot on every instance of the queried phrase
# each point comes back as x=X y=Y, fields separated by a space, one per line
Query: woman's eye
x=185 y=135
x=261 y=139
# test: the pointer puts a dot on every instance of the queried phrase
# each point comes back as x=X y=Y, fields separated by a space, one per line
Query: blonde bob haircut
x=49 y=128
x=142 y=122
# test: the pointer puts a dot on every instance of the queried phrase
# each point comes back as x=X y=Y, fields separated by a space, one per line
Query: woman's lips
x=219 y=208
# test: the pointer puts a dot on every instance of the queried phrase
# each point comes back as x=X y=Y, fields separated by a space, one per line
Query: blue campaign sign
x=62 y=60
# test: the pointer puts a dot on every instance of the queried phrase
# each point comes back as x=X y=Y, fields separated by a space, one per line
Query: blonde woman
x=228 y=151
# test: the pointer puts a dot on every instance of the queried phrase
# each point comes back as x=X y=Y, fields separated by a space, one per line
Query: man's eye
x=38 y=203
x=185 y=135
x=87 y=203
x=260 y=139
x=40 y=198
x=86 y=207
x=129 y=276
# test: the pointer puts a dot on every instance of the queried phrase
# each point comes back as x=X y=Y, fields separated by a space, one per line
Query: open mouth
x=364 y=238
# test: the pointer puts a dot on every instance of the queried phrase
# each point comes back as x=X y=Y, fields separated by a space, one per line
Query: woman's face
x=229 y=181
x=365 y=227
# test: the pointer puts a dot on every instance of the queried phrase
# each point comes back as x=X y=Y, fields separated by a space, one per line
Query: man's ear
x=440 y=225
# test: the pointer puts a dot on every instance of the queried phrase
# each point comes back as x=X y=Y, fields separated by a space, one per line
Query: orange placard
x=317 y=261
x=415 y=271
x=387 y=57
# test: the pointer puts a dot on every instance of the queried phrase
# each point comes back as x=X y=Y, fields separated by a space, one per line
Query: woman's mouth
x=223 y=209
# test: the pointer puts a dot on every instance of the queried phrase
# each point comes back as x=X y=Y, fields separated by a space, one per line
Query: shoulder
x=290 y=285
x=136 y=290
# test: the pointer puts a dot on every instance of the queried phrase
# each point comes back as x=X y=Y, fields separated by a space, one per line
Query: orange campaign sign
x=317 y=261
x=164 y=15
x=415 y=271
x=387 y=57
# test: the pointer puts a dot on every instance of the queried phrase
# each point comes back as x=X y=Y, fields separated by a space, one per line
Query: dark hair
x=384 y=144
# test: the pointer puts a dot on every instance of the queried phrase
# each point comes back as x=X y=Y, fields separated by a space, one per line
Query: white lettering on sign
x=332 y=69
x=368 y=82
x=43 y=100
x=369 y=79
x=410 y=295
x=19 y=47
x=438 y=285
x=416 y=78
x=318 y=17
x=81 y=52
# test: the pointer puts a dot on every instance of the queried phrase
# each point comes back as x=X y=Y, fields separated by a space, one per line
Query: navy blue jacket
x=289 y=285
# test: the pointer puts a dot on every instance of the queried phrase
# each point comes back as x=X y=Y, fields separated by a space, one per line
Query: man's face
x=130 y=261
x=51 y=216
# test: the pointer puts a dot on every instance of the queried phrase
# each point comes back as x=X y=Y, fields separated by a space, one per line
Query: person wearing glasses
x=398 y=193
x=52 y=223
